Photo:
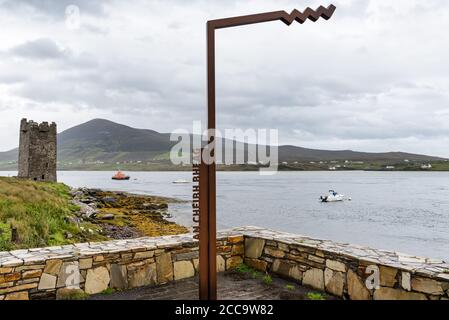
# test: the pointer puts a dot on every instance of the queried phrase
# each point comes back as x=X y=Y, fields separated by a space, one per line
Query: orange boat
x=120 y=176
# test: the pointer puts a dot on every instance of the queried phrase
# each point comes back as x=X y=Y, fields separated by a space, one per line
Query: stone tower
x=37 y=151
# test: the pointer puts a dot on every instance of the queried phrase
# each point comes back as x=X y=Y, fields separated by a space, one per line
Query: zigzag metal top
x=301 y=17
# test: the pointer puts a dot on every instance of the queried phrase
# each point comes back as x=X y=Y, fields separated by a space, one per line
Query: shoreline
x=5 y=170
x=124 y=215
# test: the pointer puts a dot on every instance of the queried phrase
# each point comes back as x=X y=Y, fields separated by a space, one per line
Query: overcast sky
x=373 y=78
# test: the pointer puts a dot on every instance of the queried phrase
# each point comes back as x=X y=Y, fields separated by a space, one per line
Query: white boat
x=181 y=181
x=333 y=197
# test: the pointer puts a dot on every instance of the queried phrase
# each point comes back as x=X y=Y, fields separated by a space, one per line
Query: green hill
x=108 y=142
x=103 y=140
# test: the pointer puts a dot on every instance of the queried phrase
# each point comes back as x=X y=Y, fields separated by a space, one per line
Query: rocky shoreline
x=121 y=215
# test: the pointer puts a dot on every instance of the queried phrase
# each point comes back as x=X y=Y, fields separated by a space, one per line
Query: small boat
x=333 y=197
x=120 y=176
x=181 y=181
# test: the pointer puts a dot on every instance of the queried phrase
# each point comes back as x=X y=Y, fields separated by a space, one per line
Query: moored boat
x=333 y=197
x=120 y=176
x=181 y=181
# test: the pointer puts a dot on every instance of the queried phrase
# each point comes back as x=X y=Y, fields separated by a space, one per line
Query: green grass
x=290 y=287
x=75 y=295
x=315 y=296
x=108 y=291
x=245 y=269
x=267 y=279
x=38 y=211
x=5 y=235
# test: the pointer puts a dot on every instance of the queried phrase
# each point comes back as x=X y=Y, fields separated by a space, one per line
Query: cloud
x=371 y=78
x=51 y=8
x=40 y=49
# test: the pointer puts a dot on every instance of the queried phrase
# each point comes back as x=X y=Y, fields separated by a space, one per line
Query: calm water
x=401 y=211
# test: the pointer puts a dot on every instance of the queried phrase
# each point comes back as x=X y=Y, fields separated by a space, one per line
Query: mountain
x=110 y=142
x=11 y=155
x=104 y=140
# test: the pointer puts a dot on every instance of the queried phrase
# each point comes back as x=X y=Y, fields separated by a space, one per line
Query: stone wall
x=348 y=271
x=37 y=151
x=122 y=264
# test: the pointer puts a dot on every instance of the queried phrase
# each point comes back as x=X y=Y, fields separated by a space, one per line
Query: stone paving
x=231 y=286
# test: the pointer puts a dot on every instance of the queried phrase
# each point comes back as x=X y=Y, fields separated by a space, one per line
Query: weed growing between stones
x=73 y=295
x=256 y=274
x=315 y=296
x=290 y=287
x=243 y=268
x=108 y=291
x=267 y=279
x=246 y=270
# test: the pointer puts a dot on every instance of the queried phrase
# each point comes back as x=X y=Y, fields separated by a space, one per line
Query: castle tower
x=37 y=151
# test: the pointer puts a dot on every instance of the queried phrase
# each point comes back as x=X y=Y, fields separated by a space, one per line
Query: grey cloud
x=358 y=80
x=40 y=49
x=54 y=8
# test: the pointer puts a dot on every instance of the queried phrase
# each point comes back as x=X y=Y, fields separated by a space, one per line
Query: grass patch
x=5 y=236
x=267 y=279
x=315 y=296
x=290 y=287
x=75 y=295
x=108 y=291
x=38 y=211
x=256 y=274
x=247 y=270
x=243 y=268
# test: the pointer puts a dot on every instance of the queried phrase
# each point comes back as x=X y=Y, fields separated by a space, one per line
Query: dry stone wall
x=344 y=270
x=48 y=273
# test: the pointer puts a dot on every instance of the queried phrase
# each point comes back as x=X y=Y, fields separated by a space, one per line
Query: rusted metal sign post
x=207 y=185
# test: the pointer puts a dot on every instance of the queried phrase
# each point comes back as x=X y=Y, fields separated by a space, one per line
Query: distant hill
x=104 y=140
x=7 y=156
x=293 y=153
x=110 y=142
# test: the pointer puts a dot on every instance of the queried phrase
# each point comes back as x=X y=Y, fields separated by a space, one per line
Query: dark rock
x=106 y=216
x=155 y=206
x=109 y=200
x=116 y=232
